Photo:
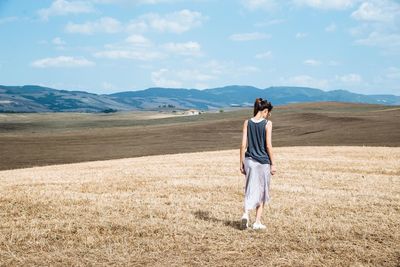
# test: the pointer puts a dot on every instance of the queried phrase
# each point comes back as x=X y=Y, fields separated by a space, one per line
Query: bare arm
x=269 y=141
x=269 y=146
x=243 y=147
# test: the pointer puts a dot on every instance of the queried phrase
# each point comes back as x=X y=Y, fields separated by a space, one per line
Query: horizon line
x=183 y=88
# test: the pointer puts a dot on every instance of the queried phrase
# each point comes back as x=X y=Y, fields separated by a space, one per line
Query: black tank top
x=256 y=141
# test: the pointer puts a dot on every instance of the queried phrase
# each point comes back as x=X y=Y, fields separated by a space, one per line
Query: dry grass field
x=28 y=140
x=331 y=206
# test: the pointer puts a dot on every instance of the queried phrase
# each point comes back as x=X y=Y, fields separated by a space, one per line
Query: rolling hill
x=32 y=98
x=37 y=139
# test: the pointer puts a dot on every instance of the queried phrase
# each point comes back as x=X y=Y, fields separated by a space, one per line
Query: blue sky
x=106 y=46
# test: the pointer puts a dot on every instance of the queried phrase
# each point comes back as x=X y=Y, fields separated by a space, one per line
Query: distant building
x=192 y=112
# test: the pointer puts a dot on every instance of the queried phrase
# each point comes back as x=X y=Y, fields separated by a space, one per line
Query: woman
x=256 y=161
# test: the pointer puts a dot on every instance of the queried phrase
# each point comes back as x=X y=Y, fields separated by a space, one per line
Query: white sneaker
x=244 y=224
x=259 y=226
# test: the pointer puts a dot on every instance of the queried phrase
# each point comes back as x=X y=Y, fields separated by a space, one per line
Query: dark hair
x=260 y=105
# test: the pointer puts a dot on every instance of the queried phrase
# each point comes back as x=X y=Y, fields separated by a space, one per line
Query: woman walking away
x=256 y=161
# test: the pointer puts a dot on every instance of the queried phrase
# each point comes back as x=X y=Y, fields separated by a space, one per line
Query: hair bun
x=261 y=104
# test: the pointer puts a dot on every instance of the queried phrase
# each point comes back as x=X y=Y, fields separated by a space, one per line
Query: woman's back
x=256 y=139
x=256 y=160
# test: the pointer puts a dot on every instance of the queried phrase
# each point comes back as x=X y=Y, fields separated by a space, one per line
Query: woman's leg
x=265 y=185
x=247 y=176
x=259 y=211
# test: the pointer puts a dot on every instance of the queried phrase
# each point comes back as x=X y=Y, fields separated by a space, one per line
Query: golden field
x=330 y=206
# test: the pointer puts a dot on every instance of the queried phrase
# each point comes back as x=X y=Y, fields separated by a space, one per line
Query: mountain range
x=33 y=98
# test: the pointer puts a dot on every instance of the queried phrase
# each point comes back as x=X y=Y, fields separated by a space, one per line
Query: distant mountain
x=31 y=98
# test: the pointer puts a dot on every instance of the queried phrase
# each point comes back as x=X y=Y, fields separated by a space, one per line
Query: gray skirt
x=258 y=178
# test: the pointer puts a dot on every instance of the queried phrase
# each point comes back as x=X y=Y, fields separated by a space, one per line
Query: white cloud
x=138 y=47
x=154 y=2
x=196 y=74
x=135 y=47
x=350 y=78
x=134 y=2
x=307 y=81
x=317 y=4
x=137 y=26
x=377 y=11
x=61 y=62
x=176 y=22
x=186 y=49
x=216 y=67
x=379 y=25
x=386 y=40
x=301 y=35
x=179 y=78
x=65 y=7
x=260 y=4
x=326 y=4
x=252 y=36
x=129 y=54
x=264 y=55
x=159 y=79
x=269 y=22
x=312 y=62
x=229 y=69
x=104 y=24
x=138 y=40
x=58 y=41
x=331 y=27
x=359 y=30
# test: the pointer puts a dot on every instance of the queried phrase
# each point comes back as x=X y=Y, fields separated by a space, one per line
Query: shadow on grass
x=205 y=216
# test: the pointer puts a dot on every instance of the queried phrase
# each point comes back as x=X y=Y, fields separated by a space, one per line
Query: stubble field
x=330 y=206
